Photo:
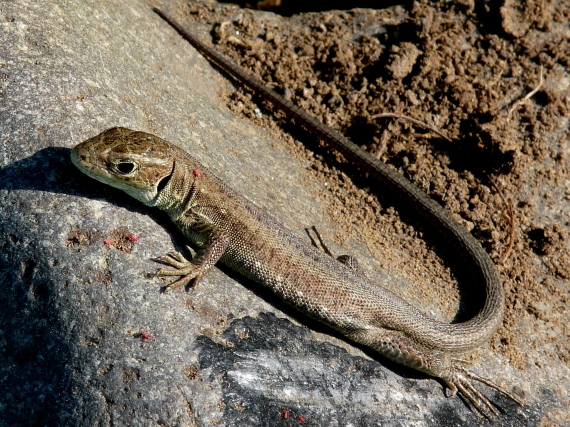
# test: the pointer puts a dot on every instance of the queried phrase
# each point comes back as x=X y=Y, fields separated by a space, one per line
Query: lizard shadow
x=50 y=170
x=36 y=348
x=40 y=350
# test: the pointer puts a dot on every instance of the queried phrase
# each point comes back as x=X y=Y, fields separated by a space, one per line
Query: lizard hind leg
x=396 y=346
x=458 y=379
x=348 y=260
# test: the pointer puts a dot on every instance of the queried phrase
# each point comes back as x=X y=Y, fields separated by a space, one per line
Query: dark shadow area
x=62 y=177
x=36 y=374
x=40 y=384
x=65 y=178
x=489 y=15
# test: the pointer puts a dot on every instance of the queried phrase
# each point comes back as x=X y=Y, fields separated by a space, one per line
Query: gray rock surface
x=85 y=336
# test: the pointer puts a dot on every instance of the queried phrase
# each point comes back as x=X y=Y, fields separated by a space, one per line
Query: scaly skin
x=226 y=227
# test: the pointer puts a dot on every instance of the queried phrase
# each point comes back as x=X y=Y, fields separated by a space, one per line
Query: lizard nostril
x=80 y=154
x=83 y=154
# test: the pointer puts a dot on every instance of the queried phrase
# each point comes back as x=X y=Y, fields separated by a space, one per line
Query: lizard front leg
x=214 y=243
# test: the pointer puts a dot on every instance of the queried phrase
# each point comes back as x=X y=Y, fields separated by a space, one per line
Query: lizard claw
x=174 y=259
x=182 y=267
x=462 y=381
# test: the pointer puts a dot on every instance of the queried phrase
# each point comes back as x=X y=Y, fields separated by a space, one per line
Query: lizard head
x=136 y=162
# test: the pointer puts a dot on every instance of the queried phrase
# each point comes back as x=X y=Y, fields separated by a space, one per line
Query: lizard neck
x=177 y=195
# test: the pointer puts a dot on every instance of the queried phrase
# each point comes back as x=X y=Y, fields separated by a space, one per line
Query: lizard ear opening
x=162 y=183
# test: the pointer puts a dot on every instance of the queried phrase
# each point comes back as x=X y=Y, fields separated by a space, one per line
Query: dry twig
x=416 y=122
x=528 y=95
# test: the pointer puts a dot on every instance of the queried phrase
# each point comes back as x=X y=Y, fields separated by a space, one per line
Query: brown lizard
x=226 y=227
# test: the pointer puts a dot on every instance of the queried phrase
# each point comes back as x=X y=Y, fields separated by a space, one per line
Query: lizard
x=225 y=226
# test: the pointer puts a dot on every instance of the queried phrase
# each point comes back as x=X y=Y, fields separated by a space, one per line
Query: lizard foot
x=461 y=381
x=183 y=267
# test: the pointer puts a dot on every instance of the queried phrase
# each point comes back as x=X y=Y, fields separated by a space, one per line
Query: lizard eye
x=124 y=167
